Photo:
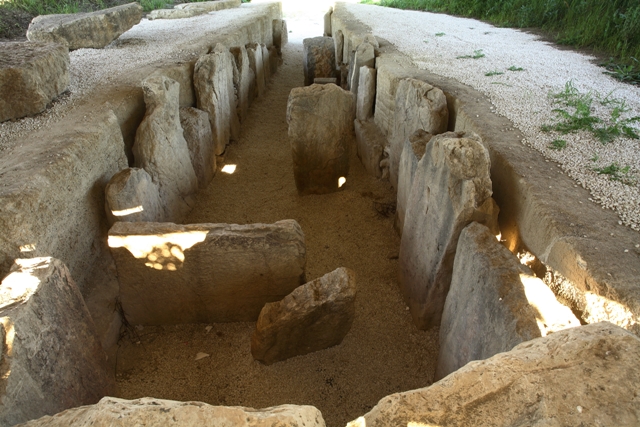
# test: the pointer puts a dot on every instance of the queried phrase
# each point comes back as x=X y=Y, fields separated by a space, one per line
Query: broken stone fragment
x=197 y=132
x=313 y=317
x=188 y=10
x=132 y=196
x=366 y=93
x=319 y=58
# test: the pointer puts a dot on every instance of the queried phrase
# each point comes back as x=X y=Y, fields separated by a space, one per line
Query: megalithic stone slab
x=494 y=303
x=160 y=147
x=451 y=188
x=85 y=30
x=313 y=317
x=254 y=52
x=320 y=121
x=202 y=273
x=365 y=56
x=418 y=106
x=370 y=143
x=280 y=35
x=366 y=93
x=243 y=81
x=213 y=81
x=197 y=132
x=132 y=196
x=31 y=76
x=338 y=42
x=52 y=358
x=327 y=22
x=319 y=58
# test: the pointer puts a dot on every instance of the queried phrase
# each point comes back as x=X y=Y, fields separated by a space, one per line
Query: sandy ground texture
x=436 y=42
x=382 y=354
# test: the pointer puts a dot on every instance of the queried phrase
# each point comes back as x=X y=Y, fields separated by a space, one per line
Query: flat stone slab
x=202 y=273
x=370 y=143
x=85 y=30
x=319 y=58
x=32 y=74
x=188 y=10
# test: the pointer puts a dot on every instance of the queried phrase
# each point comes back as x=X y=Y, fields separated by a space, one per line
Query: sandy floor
x=382 y=354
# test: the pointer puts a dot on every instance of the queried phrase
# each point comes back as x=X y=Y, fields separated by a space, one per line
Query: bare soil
x=382 y=354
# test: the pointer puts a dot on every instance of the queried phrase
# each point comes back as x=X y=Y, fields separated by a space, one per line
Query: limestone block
x=197 y=133
x=266 y=63
x=202 y=273
x=274 y=60
x=52 y=358
x=85 y=30
x=254 y=52
x=364 y=56
x=160 y=147
x=494 y=303
x=213 y=80
x=418 y=106
x=313 y=317
x=175 y=13
x=243 y=79
x=327 y=22
x=370 y=143
x=320 y=119
x=187 y=10
x=412 y=152
x=182 y=72
x=280 y=35
x=319 y=58
x=580 y=376
x=132 y=196
x=32 y=74
x=366 y=93
x=338 y=41
x=451 y=188
x=284 y=34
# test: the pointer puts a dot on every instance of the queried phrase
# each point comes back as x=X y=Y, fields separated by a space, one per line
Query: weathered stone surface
x=201 y=273
x=412 y=152
x=148 y=411
x=365 y=56
x=325 y=80
x=213 y=80
x=132 y=196
x=366 y=93
x=266 y=63
x=187 y=10
x=85 y=30
x=182 y=72
x=274 y=60
x=31 y=75
x=161 y=149
x=254 y=52
x=451 y=188
x=581 y=376
x=280 y=35
x=197 y=132
x=494 y=303
x=319 y=58
x=418 y=106
x=370 y=143
x=320 y=119
x=327 y=22
x=338 y=41
x=52 y=359
x=313 y=317
x=284 y=34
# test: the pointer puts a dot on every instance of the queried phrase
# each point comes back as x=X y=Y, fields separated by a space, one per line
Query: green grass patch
x=628 y=73
x=615 y=172
x=149 y=5
x=514 y=68
x=477 y=54
x=493 y=73
x=439 y=34
x=558 y=144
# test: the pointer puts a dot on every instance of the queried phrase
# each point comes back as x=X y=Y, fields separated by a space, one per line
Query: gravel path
x=436 y=41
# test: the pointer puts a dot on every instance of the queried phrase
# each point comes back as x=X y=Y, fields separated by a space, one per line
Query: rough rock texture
x=418 y=106
x=254 y=52
x=494 y=303
x=266 y=64
x=213 y=80
x=132 y=196
x=365 y=56
x=274 y=60
x=411 y=154
x=52 y=359
x=187 y=10
x=327 y=23
x=197 y=132
x=325 y=80
x=280 y=34
x=338 y=42
x=370 y=144
x=31 y=75
x=320 y=119
x=160 y=147
x=319 y=58
x=243 y=81
x=366 y=93
x=585 y=376
x=451 y=188
x=313 y=317
x=147 y=411
x=203 y=273
x=85 y=30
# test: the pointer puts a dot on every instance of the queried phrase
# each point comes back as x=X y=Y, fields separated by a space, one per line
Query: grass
x=439 y=34
x=558 y=144
x=477 y=54
x=615 y=172
x=514 y=68
x=493 y=73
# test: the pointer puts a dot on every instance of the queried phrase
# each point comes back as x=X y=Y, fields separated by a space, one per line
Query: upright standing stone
x=313 y=317
x=85 y=30
x=131 y=195
x=243 y=77
x=370 y=143
x=327 y=22
x=197 y=133
x=418 y=106
x=280 y=36
x=31 y=76
x=320 y=121
x=451 y=188
x=52 y=359
x=338 y=41
x=254 y=52
x=274 y=60
x=366 y=93
x=494 y=303
x=160 y=147
x=319 y=58
x=365 y=56
x=266 y=63
x=213 y=81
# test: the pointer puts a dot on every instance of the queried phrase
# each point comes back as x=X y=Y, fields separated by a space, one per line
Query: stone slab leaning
x=85 y=30
x=201 y=273
x=52 y=358
x=319 y=58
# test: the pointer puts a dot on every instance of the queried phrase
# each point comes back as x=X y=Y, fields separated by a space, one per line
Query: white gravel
x=522 y=97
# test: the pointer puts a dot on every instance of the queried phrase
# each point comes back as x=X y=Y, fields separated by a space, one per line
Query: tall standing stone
x=160 y=147
x=451 y=188
x=319 y=58
x=338 y=42
x=320 y=121
x=366 y=93
x=327 y=22
x=280 y=35
x=131 y=195
x=197 y=133
x=370 y=143
x=266 y=63
x=243 y=81
x=254 y=52
x=365 y=56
